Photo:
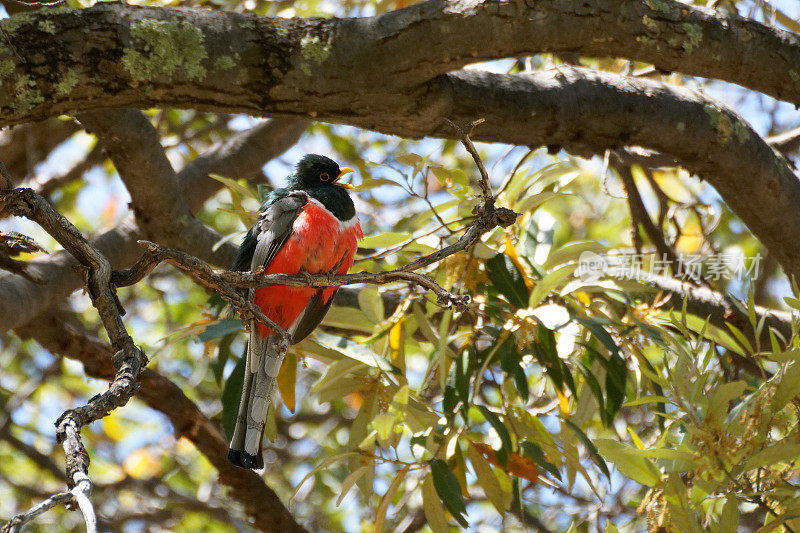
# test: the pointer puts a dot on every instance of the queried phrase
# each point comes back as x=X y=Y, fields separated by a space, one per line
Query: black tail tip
x=234 y=458
x=242 y=459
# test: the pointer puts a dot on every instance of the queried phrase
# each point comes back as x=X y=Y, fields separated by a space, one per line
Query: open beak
x=343 y=171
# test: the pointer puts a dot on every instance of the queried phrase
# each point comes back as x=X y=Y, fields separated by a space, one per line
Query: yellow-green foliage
x=226 y=62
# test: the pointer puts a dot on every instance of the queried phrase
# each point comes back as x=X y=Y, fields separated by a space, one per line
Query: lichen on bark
x=167 y=48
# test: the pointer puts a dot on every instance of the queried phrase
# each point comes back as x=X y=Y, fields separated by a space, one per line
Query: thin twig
x=225 y=281
x=486 y=188
x=15 y=524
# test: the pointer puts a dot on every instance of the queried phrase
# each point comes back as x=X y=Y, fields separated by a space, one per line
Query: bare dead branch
x=486 y=188
x=15 y=524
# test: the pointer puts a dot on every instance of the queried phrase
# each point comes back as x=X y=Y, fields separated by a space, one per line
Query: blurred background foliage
x=555 y=403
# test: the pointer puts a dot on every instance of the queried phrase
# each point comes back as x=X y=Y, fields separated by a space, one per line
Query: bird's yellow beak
x=343 y=171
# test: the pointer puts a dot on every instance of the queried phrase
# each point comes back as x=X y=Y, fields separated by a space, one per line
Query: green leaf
x=510 y=362
x=411 y=160
x=508 y=280
x=535 y=452
x=546 y=354
x=594 y=386
x=722 y=395
x=231 y=394
x=788 y=388
x=348 y=483
x=383 y=240
x=370 y=301
x=530 y=203
x=729 y=520
x=630 y=462
x=235 y=186
x=616 y=369
x=571 y=252
x=373 y=183
x=647 y=399
x=432 y=507
x=502 y=432
x=777 y=453
x=449 y=490
x=351 y=350
x=590 y=447
x=547 y=284
x=380 y=515
x=220 y=328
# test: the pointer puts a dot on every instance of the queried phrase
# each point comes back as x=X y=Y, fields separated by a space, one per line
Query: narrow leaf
x=449 y=490
x=287 y=377
x=508 y=280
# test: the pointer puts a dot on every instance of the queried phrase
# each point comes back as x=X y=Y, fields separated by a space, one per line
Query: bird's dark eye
x=324 y=176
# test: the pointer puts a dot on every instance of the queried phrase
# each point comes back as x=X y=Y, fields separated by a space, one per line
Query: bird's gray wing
x=274 y=226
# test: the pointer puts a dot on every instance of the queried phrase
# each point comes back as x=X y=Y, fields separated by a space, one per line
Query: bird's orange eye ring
x=324 y=176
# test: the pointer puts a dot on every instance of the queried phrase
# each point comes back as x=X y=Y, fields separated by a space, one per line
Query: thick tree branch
x=104 y=56
x=159 y=207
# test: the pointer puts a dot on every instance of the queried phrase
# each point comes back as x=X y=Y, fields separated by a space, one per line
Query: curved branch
x=116 y=55
x=133 y=145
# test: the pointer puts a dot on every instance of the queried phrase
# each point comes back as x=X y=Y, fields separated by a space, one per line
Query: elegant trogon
x=310 y=226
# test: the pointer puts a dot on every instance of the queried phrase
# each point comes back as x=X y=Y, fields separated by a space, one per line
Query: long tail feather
x=264 y=358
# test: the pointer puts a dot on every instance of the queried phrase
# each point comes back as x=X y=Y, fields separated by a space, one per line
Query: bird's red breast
x=316 y=245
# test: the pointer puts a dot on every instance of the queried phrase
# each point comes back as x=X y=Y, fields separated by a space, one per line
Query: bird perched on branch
x=309 y=227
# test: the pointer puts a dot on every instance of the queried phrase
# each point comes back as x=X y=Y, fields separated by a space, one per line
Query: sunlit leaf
x=488 y=481
x=432 y=507
x=629 y=461
x=287 y=377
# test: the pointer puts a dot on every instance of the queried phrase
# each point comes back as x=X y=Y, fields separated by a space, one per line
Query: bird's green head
x=318 y=171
